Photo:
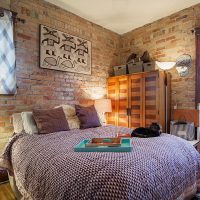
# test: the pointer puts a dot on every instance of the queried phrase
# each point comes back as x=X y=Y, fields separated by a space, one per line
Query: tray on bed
x=125 y=146
x=108 y=142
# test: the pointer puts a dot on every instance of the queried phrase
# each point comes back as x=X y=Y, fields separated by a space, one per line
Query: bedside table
x=3 y=175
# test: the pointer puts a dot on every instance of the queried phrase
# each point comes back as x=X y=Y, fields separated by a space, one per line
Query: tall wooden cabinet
x=118 y=91
x=139 y=99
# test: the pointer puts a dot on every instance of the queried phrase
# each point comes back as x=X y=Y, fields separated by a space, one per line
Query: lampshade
x=103 y=105
x=165 y=65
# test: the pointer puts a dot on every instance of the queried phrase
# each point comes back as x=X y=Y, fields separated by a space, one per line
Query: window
x=7 y=54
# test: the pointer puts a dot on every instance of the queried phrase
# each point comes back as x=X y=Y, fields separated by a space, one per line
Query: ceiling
x=122 y=16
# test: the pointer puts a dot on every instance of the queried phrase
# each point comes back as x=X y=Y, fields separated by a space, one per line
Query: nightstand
x=3 y=175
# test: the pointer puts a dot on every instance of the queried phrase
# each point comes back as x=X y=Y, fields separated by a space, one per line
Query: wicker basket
x=150 y=66
x=135 y=67
x=120 y=70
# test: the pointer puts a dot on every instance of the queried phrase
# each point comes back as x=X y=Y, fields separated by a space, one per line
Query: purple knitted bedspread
x=47 y=168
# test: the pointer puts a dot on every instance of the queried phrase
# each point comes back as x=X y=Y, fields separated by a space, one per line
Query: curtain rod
x=14 y=15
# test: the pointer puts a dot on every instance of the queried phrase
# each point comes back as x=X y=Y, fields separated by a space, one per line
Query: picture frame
x=64 y=52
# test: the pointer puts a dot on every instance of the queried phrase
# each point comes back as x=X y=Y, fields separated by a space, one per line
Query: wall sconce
x=183 y=64
x=165 y=65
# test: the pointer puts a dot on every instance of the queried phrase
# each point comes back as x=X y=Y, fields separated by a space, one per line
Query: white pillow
x=70 y=114
x=17 y=123
x=101 y=118
x=29 y=124
x=68 y=110
x=73 y=123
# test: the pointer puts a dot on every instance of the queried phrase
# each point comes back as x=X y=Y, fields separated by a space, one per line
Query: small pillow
x=88 y=117
x=49 y=121
x=70 y=114
x=68 y=110
x=29 y=124
x=73 y=122
x=17 y=123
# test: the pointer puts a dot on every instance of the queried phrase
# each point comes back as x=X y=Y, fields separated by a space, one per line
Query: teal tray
x=126 y=146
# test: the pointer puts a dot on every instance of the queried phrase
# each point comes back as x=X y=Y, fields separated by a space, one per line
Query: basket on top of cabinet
x=134 y=67
x=150 y=66
x=120 y=70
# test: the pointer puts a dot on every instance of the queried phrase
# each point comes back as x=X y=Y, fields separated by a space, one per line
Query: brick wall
x=165 y=40
x=47 y=88
x=5 y=4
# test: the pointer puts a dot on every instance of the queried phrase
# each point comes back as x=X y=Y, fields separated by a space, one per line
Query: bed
x=46 y=167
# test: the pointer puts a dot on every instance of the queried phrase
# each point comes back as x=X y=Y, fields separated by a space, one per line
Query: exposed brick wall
x=166 y=39
x=5 y=4
x=47 y=88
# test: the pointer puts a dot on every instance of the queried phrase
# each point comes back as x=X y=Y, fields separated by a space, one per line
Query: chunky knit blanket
x=47 y=168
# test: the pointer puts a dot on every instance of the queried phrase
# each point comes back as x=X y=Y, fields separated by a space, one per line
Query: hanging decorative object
x=132 y=57
x=145 y=57
x=64 y=52
x=183 y=64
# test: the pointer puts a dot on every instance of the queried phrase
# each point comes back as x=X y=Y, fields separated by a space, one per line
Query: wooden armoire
x=139 y=99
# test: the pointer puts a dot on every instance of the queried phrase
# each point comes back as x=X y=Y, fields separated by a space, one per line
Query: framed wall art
x=64 y=52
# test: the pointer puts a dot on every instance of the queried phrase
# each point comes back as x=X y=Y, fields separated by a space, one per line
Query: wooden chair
x=192 y=115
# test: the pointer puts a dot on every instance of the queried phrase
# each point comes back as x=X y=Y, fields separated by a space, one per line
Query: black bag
x=145 y=57
x=153 y=131
x=131 y=57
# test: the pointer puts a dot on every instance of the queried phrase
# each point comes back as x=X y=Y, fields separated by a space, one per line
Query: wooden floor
x=6 y=192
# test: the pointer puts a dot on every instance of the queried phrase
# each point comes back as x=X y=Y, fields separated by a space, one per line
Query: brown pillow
x=88 y=117
x=49 y=121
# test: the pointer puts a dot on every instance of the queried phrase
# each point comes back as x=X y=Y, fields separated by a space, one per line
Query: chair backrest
x=192 y=115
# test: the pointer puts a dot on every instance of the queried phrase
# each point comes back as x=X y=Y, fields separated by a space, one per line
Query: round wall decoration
x=183 y=63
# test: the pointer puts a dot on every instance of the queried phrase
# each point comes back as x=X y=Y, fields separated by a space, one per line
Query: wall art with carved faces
x=64 y=52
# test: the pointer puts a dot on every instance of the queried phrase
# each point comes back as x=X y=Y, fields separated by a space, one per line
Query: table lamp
x=103 y=106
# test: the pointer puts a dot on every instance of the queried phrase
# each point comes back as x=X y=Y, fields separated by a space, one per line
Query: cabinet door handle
x=128 y=111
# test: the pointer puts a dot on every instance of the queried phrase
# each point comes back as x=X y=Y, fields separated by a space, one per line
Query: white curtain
x=7 y=55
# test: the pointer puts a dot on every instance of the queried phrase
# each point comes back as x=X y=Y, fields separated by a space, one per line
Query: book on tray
x=110 y=142
x=123 y=135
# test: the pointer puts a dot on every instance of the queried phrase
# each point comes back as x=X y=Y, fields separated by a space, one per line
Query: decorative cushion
x=49 y=121
x=17 y=123
x=88 y=117
x=73 y=122
x=68 y=110
x=101 y=117
x=71 y=117
x=29 y=124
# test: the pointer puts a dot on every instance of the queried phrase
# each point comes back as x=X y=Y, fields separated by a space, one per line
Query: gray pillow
x=70 y=114
x=17 y=123
x=29 y=124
